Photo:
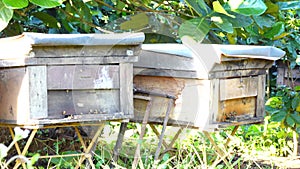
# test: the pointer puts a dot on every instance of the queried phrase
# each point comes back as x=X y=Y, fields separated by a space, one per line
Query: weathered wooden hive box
x=214 y=85
x=287 y=77
x=52 y=78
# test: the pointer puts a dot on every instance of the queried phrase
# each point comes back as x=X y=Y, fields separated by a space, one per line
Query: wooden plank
x=214 y=106
x=83 y=77
x=168 y=73
x=85 y=50
x=280 y=76
x=38 y=92
x=243 y=65
x=235 y=109
x=163 y=85
x=260 y=100
x=237 y=73
x=32 y=61
x=238 y=87
x=295 y=73
x=64 y=103
x=14 y=92
x=126 y=88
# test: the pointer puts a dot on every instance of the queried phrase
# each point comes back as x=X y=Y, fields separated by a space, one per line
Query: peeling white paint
x=103 y=80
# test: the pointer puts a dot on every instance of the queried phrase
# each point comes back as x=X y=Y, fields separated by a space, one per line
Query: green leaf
x=5 y=15
x=248 y=7
x=295 y=102
x=199 y=6
x=15 y=4
x=166 y=157
x=276 y=30
x=47 y=19
x=264 y=21
x=296 y=117
x=136 y=22
x=47 y=3
x=290 y=5
x=278 y=117
x=237 y=21
x=219 y=8
x=272 y=8
x=223 y=24
x=297 y=88
x=290 y=121
x=196 y=28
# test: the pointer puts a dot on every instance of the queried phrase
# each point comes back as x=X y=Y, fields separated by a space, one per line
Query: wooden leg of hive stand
x=25 y=149
x=220 y=152
x=143 y=129
x=87 y=150
x=162 y=134
x=165 y=144
x=218 y=160
x=119 y=142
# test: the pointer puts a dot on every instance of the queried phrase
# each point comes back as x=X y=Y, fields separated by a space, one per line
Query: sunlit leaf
x=47 y=3
x=196 y=28
x=248 y=7
x=5 y=16
x=15 y=4
x=272 y=8
x=219 y=8
x=47 y=19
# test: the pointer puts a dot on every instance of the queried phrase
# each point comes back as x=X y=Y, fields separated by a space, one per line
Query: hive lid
x=203 y=57
x=21 y=45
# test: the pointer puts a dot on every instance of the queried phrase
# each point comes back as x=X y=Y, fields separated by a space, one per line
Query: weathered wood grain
x=238 y=87
x=14 y=96
x=83 y=77
x=260 y=99
x=31 y=61
x=66 y=103
x=126 y=88
x=83 y=51
x=38 y=107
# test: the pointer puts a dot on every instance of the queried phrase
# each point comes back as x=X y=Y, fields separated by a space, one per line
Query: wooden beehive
x=287 y=77
x=46 y=78
x=214 y=85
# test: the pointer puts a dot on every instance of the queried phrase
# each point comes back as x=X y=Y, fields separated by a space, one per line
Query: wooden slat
x=260 y=100
x=237 y=73
x=238 y=87
x=38 y=92
x=74 y=51
x=214 y=106
x=83 y=77
x=168 y=73
x=14 y=92
x=126 y=88
x=63 y=103
x=31 y=61
x=243 y=65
